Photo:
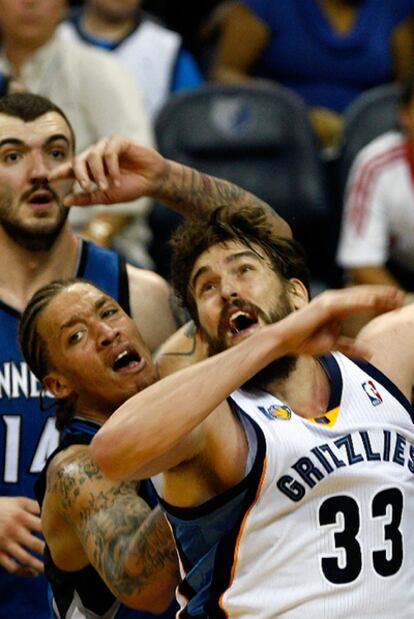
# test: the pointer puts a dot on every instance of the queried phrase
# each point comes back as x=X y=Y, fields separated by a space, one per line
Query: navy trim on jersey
x=331 y=367
x=217 y=573
x=385 y=382
x=225 y=554
x=100 y=41
x=84 y=251
x=189 y=513
x=10 y=310
x=86 y=582
x=27 y=431
x=123 y=286
x=88 y=254
x=90 y=268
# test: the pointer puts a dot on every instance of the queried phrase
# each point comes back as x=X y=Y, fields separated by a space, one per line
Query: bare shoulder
x=147 y=281
x=153 y=306
x=79 y=488
x=389 y=340
x=61 y=508
x=68 y=472
x=185 y=347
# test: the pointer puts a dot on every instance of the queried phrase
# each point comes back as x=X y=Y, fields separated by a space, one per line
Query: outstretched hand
x=114 y=170
x=316 y=328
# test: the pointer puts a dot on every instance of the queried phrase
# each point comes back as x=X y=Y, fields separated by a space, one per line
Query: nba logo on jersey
x=276 y=412
x=372 y=392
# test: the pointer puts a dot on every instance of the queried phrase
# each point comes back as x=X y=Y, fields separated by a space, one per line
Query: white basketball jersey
x=330 y=534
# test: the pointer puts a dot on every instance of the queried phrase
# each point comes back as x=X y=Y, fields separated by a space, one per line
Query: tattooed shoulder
x=69 y=471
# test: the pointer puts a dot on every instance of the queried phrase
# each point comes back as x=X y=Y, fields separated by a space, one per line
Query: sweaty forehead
x=70 y=305
x=227 y=252
x=36 y=131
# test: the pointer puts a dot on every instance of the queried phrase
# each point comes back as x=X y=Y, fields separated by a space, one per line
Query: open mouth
x=127 y=359
x=40 y=197
x=241 y=320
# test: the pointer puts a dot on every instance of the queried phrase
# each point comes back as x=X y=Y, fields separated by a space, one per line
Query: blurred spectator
x=9 y=85
x=152 y=53
x=376 y=244
x=328 y=51
x=98 y=95
x=187 y=17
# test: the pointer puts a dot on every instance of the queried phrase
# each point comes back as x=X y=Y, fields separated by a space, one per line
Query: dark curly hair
x=251 y=226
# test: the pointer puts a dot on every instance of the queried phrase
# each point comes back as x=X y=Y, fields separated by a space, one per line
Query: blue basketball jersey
x=27 y=433
x=74 y=595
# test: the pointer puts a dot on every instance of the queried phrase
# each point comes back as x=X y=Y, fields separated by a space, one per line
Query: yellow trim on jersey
x=328 y=419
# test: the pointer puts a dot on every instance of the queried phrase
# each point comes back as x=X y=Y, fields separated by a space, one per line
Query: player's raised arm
x=120 y=170
x=395 y=356
x=144 y=436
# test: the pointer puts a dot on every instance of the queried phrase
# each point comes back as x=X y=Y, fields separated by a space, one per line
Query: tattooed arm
x=124 y=170
x=183 y=348
x=89 y=519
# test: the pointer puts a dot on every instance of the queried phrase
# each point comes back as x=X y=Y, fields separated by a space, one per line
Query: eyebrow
x=73 y=321
x=58 y=136
x=53 y=138
x=247 y=253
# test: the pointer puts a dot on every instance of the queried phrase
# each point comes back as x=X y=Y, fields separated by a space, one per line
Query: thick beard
x=280 y=368
x=277 y=370
x=33 y=239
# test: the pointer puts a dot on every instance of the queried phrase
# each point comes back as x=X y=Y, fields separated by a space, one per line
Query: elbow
x=104 y=451
x=116 y=457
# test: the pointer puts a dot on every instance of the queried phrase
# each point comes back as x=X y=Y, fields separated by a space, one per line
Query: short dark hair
x=28 y=107
x=251 y=226
x=32 y=345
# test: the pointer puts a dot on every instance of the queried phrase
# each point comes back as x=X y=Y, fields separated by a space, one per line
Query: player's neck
x=93 y=411
x=312 y=398
x=24 y=271
x=97 y=25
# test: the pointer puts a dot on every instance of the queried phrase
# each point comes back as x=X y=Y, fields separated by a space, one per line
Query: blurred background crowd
x=307 y=103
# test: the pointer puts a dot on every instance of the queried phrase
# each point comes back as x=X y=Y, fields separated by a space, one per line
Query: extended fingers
x=62 y=172
x=341 y=303
x=16 y=557
x=30 y=505
x=88 y=167
x=32 y=542
x=85 y=198
x=16 y=553
x=99 y=164
x=32 y=523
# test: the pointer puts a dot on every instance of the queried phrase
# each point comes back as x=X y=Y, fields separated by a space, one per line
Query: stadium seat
x=372 y=113
x=258 y=136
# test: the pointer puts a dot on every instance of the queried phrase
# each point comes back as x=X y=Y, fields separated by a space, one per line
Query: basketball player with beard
x=38 y=246
x=274 y=490
x=294 y=494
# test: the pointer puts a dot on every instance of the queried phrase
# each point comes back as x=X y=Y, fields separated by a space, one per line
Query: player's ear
x=298 y=293
x=57 y=385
